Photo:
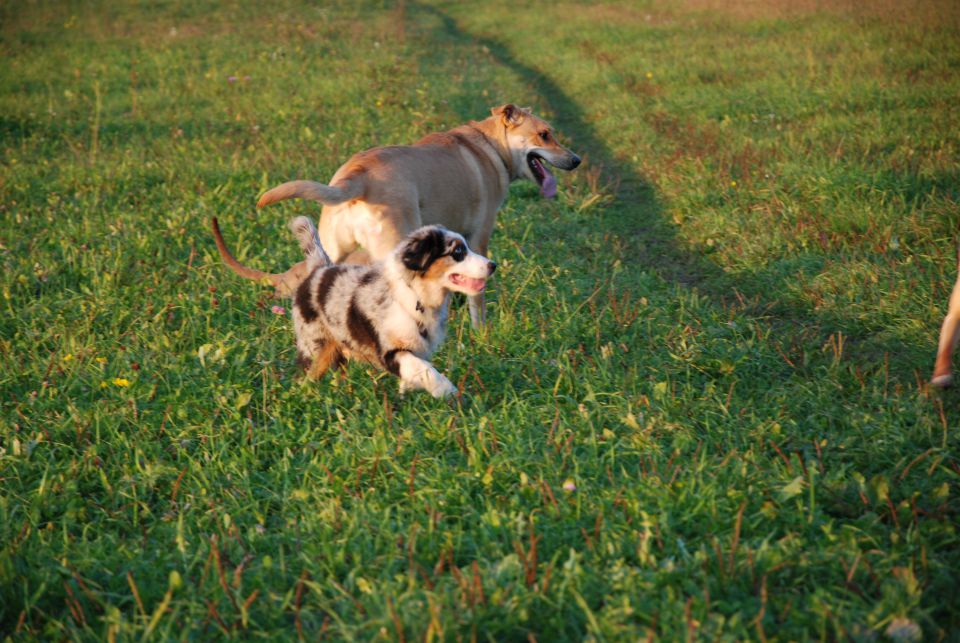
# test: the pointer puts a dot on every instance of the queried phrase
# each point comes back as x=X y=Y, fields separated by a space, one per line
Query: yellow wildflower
x=121 y=382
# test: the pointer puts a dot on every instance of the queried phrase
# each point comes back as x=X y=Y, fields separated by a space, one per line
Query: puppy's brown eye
x=459 y=253
x=545 y=135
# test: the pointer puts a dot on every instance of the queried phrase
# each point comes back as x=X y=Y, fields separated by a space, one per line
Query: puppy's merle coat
x=391 y=314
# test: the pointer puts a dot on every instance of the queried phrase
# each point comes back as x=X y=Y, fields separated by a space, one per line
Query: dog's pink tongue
x=548 y=188
x=475 y=284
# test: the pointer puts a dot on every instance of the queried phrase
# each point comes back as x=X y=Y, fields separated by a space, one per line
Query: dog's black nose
x=575 y=162
x=491 y=266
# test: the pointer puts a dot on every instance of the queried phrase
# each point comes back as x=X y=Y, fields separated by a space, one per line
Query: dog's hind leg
x=949 y=336
x=326 y=356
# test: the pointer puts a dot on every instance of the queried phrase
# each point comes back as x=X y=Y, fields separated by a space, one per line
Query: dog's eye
x=545 y=135
x=459 y=253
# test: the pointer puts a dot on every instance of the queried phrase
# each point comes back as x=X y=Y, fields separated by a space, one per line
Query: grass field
x=699 y=410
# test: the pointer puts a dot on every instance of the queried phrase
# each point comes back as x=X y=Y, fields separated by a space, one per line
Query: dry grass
x=933 y=13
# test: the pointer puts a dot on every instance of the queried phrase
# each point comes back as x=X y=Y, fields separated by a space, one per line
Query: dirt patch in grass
x=935 y=13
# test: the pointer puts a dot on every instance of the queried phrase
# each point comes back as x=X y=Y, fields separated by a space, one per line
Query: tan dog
x=949 y=336
x=457 y=178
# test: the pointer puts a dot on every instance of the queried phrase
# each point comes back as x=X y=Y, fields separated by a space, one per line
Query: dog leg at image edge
x=949 y=336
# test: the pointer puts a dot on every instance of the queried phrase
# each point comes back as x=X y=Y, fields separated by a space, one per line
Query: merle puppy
x=391 y=314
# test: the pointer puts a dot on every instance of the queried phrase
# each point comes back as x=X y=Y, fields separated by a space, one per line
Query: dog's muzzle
x=542 y=175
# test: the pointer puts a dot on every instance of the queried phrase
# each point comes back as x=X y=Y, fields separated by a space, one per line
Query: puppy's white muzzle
x=472 y=273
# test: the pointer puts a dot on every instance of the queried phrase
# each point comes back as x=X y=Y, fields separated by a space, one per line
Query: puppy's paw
x=443 y=387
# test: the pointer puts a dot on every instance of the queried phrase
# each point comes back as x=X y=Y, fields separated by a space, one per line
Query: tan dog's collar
x=507 y=159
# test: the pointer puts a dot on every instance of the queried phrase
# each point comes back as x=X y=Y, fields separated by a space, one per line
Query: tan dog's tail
x=284 y=283
x=326 y=194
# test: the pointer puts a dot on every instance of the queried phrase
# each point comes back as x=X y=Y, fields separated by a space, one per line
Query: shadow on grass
x=636 y=210
x=637 y=216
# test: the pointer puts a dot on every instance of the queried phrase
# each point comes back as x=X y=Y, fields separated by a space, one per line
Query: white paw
x=443 y=387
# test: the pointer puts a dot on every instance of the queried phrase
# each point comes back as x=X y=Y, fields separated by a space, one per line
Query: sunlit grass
x=699 y=409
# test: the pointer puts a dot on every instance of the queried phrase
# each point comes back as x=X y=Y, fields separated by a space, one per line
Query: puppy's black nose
x=491 y=266
x=575 y=162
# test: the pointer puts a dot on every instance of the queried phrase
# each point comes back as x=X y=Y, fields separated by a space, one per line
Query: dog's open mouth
x=468 y=283
x=546 y=180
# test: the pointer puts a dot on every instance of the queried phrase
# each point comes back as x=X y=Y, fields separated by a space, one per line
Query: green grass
x=719 y=333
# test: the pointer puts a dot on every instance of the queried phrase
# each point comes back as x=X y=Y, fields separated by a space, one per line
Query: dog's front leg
x=478 y=310
x=418 y=373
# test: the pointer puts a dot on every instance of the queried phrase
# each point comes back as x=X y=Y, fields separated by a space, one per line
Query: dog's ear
x=510 y=114
x=424 y=246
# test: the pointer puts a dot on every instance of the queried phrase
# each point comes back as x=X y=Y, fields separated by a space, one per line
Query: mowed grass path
x=699 y=410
